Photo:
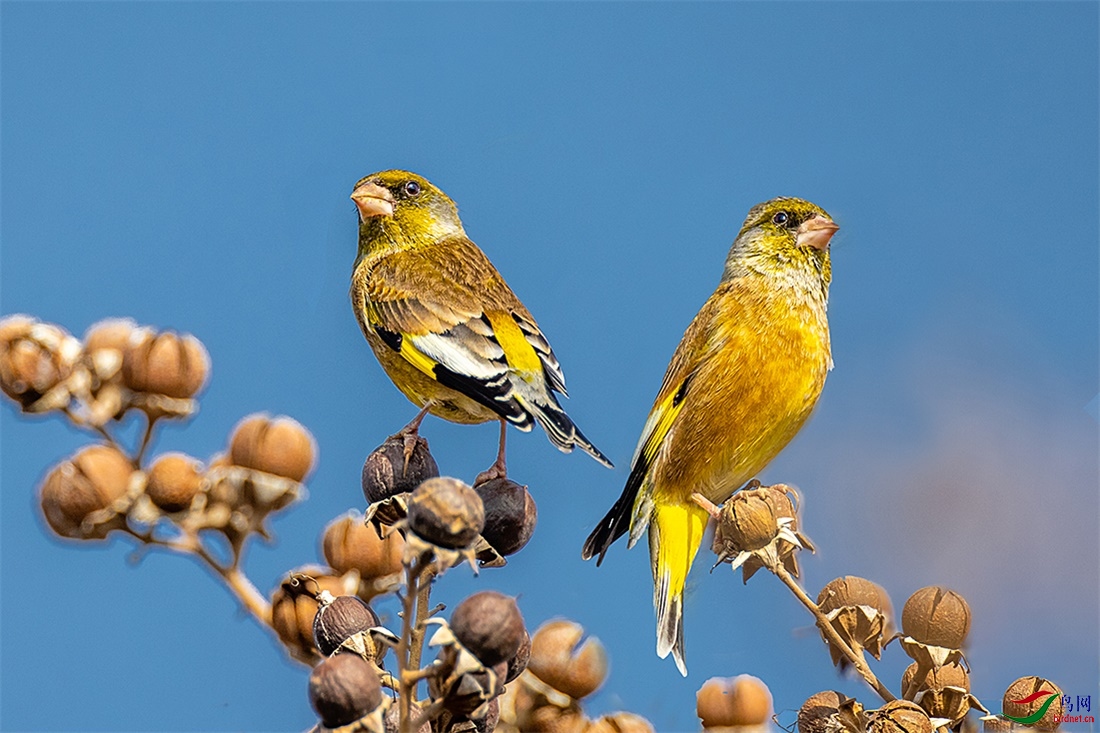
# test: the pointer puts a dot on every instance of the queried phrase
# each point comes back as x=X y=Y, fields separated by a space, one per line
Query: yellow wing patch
x=660 y=422
x=518 y=351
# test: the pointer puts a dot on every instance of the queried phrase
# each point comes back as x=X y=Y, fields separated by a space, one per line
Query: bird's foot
x=410 y=434
x=495 y=471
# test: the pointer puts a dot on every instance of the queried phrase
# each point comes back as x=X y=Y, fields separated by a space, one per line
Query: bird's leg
x=410 y=432
x=498 y=469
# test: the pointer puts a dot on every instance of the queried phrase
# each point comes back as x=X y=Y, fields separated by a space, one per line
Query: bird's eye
x=411 y=188
x=781 y=218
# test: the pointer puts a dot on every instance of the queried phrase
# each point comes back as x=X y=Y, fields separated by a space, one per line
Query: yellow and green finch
x=445 y=326
x=744 y=379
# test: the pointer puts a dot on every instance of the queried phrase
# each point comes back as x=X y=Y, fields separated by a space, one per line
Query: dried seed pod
x=949 y=675
x=748 y=522
x=349 y=544
x=1027 y=696
x=821 y=713
x=995 y=724
x=338 y=621
x=490 y=626
x=35 y=358
x=899 y=716
x=936 y=616
x=944 y=692
x=518 y=663
x=860 y=612
x=733 y=701
x=557 y=660
x=174 y=480
x=344 y=688
x=619 y=723
x=275 y=445
x=89 y=482
x=294 y=606
x=510 y=514
x=169 y=364
x=446 y=512
x=389 y=470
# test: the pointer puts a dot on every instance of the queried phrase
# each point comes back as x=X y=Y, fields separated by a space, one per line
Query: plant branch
x=859 y=662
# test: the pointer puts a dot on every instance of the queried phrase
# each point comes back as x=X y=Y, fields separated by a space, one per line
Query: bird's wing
x=450 y=314
x=630 y=511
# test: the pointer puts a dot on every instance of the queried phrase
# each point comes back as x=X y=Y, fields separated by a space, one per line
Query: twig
x=146 y=438
x=409 y=599
x=237 y=582
x=857 y=659
x=423 y=612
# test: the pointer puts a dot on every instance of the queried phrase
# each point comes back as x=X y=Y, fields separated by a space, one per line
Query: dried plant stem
x=409 y=602
x=146 y=438
x=855 y=656
x=235 y=580
x=423 y=611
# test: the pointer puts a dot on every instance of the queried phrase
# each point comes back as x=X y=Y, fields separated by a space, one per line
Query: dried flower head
x=86 y=496
x=899 y=716
x=397 y=467
x=275 y=445
x=36 y=361
x=510 y=514
x=490 y=626
x=559 y=659
x=164 y=371
x=935 y=622
x=446 y=512
x=1033 y=701
x=294 y=606
x=518 y=663
x=943 y=692
x=344 y=688
x=830 y=712
x=348 y=544
x=733 y=702
x=757 y=528
x=173 y=481
x=860 y=612
x=339 y=619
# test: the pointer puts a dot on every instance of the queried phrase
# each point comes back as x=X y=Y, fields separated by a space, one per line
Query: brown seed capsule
x=510 y=515
x=936 y=616
x=293 y=608
x=90 y=481
x=112 y=334
x=387 y=472
x=490 y=626
x=171 y=364
x=557 y=661
x=338 y=621
x=620 y=722
x=34 y=358
x=519 y=661
x=344 y=688
x=995 y=724
x=275 y=445
x=174 y=480
x=853 y=591
x=446 y=512
x=349 y=544
x=821 y=714
x=949 y=675
x=1024 y=688
x=748 y=522
x=733 y=701
x=899 y=716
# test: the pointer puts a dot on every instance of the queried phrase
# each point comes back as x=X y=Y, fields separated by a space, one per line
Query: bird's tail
x=675 y=532
x=561 y=430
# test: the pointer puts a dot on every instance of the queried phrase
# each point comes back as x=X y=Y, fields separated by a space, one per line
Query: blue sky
x=189 y=165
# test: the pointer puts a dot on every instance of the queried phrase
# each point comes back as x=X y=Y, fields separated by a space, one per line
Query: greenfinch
x=742 y=382
x=445 y=326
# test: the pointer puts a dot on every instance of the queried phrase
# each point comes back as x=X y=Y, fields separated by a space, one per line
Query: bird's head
x=786 y=237
x=404 y=208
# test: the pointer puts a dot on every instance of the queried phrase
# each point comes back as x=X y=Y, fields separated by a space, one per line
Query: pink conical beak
x=816 y=232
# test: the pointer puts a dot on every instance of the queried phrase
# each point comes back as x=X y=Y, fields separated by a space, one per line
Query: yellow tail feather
x=675 y=532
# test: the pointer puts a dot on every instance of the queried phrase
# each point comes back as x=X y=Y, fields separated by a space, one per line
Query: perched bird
x=445 y=326
x=744 y=379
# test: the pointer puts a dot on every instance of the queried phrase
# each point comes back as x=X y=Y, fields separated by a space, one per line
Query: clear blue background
x=189 y=164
